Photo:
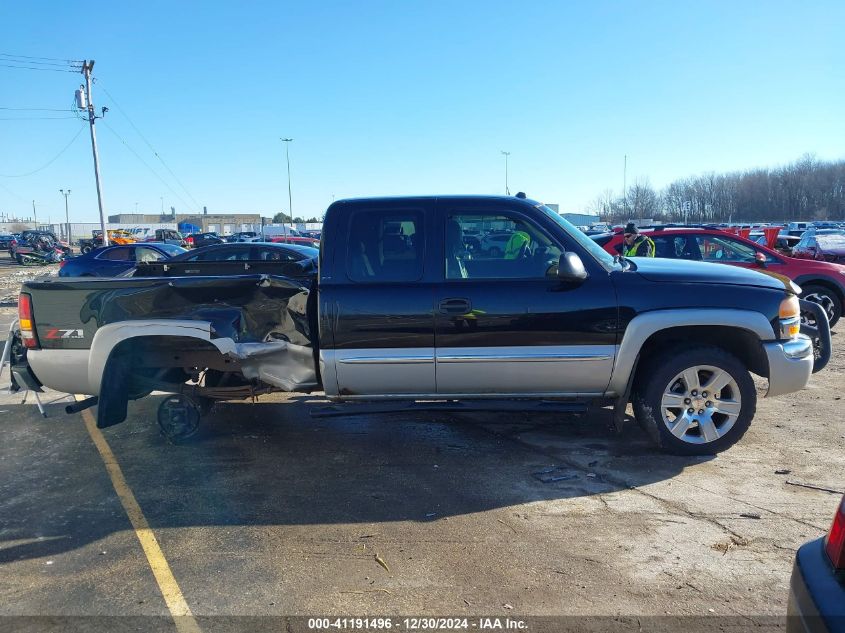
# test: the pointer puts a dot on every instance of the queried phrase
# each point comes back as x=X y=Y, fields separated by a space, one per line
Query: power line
x=36 y=109
x=152 y=149
x=2 y=186
x=52 y=59
x=58 y=70
x=138 y=156
x=51 y=161
x=37 y=118
x=9 y=60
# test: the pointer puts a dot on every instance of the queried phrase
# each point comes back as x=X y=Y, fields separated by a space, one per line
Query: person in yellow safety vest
x=634 y=244
x=516 y=244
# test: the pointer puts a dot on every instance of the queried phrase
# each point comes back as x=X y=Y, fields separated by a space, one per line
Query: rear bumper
x=790 y=365
x=816 y=597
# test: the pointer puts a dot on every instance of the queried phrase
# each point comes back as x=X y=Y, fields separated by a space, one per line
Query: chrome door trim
x=386 y=360
x=520 y=358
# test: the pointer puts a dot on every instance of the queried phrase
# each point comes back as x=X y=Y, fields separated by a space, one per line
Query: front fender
x=644 y=325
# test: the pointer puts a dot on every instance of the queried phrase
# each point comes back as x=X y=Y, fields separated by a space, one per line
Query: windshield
x=586 y=242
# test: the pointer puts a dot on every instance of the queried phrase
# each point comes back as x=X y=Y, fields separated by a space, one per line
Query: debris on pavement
x=734 y=541
x=750 y=515
x=812 y=487
x=782 y=471
x=555 y=473
x=381 y=562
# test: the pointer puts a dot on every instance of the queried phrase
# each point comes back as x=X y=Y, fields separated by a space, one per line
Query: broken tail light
x=834 y=542
x=27 y=322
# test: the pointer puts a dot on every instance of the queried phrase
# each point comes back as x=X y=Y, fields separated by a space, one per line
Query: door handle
x=455 y=306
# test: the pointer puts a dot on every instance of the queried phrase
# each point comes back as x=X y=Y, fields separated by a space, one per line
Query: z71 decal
x=55 y=333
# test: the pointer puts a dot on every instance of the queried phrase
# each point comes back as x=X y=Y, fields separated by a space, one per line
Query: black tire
x=85 y=249
x=658 y=376
x=825 y=294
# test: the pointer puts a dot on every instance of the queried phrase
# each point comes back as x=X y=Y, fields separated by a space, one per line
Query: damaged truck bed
x=208 y=337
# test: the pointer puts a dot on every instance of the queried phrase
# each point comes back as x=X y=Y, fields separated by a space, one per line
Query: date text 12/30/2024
x=417 y=624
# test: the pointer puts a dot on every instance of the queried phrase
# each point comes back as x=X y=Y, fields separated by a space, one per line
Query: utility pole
x=67 y=216
x=625 y=185
x=87 y=68
x=287 y=141
x=506 y=154
x=34 y=215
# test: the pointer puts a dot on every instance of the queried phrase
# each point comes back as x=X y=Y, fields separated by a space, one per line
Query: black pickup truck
x=407 y=306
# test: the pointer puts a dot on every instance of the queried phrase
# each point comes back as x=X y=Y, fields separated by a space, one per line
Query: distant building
x=221 y=223
x=581 y=219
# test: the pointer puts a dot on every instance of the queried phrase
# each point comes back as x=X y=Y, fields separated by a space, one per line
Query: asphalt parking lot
x=271 y=511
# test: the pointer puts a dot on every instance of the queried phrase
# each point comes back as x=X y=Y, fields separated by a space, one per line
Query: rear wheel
x=827 y=299
x=85 y=249
x=179 y=418
x=695 y=401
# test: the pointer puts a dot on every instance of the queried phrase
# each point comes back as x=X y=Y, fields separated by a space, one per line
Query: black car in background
x=198 y=240
x=112 y=261
x=817 y=586
x=242 y=258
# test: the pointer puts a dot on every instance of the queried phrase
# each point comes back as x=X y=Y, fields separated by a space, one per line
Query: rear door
x=379 y=301
x=504 y=323
x=113 y=261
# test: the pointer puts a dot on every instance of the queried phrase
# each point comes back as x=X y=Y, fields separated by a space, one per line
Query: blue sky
x=391 y=98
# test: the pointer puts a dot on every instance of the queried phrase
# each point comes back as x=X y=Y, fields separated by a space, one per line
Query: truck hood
x=685 y=272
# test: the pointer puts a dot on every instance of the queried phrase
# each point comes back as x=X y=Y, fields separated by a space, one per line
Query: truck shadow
x=273 y=464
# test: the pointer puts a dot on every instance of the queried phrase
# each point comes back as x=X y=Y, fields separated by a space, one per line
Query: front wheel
x=695 y=401
x=827 y=299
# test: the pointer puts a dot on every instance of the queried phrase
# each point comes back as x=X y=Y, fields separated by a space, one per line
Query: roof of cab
x=457 y=198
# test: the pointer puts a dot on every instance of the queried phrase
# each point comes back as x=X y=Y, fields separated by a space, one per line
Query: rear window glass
x=385 y=246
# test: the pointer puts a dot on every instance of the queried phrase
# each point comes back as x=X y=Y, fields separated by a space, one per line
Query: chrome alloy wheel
x=701 y=404
x=826 y=304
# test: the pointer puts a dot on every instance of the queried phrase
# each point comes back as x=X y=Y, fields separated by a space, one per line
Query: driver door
x=504 y=323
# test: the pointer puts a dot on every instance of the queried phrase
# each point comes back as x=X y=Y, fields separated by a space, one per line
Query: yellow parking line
x=179 y=609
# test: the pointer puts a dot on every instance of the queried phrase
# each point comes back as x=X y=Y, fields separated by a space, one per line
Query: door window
x=221 y=255
x=117 y=255
x=676 y=246
x=266 y=254
x=385 y=246
x=726 y=250
x=498 y=246
x=143 y=254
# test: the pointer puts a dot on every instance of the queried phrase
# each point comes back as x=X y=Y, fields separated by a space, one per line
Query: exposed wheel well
x=825 y=283
x=743 y=344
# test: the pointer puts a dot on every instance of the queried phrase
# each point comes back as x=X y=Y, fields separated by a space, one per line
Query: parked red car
x=295 y=239
x=822 y=282
x=825 y=246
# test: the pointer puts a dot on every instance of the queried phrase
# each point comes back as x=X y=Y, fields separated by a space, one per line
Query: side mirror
x=760 y=258
x=571 y=269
